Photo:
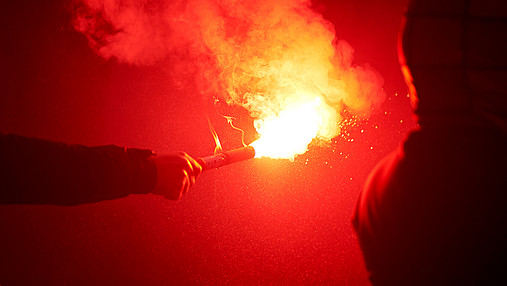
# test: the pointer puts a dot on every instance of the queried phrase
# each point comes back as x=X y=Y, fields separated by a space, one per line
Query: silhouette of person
x=433 y=212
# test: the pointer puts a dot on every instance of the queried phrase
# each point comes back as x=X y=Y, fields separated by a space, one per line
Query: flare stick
x=229 y=157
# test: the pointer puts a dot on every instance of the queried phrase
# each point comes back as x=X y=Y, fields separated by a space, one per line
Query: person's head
x=453 y=55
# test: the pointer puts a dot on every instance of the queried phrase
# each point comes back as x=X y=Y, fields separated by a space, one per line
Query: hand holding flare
x=283 y=136
x=176 y=173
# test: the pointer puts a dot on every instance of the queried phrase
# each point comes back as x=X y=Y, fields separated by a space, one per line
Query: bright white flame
x=289 y=133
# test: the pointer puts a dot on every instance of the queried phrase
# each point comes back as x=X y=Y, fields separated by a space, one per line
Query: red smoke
x=263 y=55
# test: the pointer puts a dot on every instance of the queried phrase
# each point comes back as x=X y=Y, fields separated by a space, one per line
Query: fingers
x=187 y=183
x=177 y=191
x=194 y=167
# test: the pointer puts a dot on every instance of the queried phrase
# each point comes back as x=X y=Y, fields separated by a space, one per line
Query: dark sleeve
x=35 y=171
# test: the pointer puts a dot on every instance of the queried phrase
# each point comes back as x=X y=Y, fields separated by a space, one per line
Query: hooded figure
x=434 y=211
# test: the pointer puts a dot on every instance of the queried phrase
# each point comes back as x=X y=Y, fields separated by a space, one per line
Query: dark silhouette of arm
x=35 y=171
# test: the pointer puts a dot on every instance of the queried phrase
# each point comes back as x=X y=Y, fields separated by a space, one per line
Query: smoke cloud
x=260 y=54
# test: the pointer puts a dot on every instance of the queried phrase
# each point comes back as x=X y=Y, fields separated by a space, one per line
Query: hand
x=176 y=173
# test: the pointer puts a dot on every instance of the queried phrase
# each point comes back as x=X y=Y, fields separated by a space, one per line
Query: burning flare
x=278 y=59
x=281 y=61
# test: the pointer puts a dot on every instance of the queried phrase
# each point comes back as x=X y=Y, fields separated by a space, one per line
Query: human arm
x=35 y=171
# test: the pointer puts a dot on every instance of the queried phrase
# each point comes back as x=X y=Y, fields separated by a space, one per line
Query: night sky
x=261 y=221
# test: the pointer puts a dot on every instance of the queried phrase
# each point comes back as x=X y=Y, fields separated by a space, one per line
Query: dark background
x=261 y=221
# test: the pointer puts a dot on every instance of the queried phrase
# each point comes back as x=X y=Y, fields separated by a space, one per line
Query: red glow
x=260 y=221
